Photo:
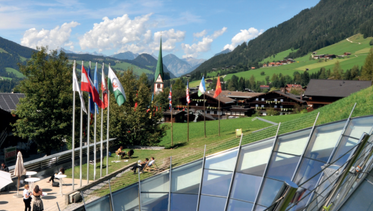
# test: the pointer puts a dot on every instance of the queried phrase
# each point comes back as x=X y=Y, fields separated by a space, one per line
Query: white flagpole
x=107 y=131
x=88 y=127
x=81 y=138
x=94 y=147
x=102 y=124
x=73 y=138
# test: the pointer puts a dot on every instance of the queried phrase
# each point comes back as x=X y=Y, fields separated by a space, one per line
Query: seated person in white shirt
x=62 y=171
x=151 y=162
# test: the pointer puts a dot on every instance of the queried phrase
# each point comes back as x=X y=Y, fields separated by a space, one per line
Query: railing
x=56 y=159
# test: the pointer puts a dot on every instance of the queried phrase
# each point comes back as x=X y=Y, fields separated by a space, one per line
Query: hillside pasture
x=14 y=71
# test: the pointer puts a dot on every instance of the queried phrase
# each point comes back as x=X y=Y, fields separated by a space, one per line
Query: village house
x=280 y=101
x=322 y=92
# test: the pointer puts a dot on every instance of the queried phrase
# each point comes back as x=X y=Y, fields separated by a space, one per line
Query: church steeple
x=158 y=75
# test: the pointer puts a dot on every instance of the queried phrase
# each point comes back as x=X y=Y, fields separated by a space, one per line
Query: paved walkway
x=9 y=202
x=264 y=120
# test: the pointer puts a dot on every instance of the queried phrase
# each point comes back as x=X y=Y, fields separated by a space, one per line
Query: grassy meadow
x=357 y=46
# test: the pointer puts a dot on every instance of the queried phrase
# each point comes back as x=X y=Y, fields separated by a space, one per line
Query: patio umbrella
x=19 y=169
x=5 y=179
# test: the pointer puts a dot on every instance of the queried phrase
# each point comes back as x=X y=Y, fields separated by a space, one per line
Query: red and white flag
x=104 y=88
x=87 y=86
x=76 y=88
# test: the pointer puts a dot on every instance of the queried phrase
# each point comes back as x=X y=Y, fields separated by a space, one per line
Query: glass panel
x=154 y=201
x=293 y=143
x=345 y=145
x=186 y=179
x=361 y=199
x=126 y=199
x=157 y=183
x=307 y=169
x=183 y=202
x=358 y=126
x=99 y=204
x=216 y=182
x=259 y=208
x=208 y=203
x=235 y=205
x=282 y=166
x=245 y=187
x=254 y=157
x=323 y=141
x=224 y=161
x=271 y=191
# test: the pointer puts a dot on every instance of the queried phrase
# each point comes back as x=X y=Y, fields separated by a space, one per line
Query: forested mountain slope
x=328 y=22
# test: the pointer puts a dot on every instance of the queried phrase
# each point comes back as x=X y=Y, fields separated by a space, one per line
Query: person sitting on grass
x=119 y=152
x=140 y=165
x=62 y=171
x=130 y=153
x=151 y=162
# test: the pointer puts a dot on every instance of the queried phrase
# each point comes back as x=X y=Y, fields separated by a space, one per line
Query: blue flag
x=92 y=104
x=95 y=83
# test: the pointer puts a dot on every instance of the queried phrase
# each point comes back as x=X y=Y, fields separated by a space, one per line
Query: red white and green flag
x=116 y=87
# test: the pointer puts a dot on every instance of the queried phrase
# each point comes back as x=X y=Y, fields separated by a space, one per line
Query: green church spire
x=159 y=69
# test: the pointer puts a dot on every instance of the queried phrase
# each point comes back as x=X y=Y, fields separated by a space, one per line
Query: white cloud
x=111 y=34
x=200 y=34
x=129 y=35
x=55 y=38
x=243 y=36
x=202 y=46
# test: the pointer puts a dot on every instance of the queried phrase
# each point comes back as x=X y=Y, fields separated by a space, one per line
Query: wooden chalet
x=283 y=102
x=322 y=92
x=232 y=104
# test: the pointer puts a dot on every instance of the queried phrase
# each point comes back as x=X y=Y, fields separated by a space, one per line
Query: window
x=158 y=86
x=262 y=99
x=257 y=99
x=262 y=106
x=281 y=107
x=275 y=100
x=275 y=106
x=282 y=100
x=256 y=105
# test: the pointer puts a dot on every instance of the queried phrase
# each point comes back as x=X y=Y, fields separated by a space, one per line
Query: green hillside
x=326 y=23
x=357 y=45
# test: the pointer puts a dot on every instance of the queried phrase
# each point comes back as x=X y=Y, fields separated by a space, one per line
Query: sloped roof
x=236 y=94
x=8 y=101
x=335 y=88
x=222 y=97
x=159 y=69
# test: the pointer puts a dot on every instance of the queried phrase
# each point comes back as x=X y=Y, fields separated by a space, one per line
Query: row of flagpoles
x=94 y=103
x=201 y=91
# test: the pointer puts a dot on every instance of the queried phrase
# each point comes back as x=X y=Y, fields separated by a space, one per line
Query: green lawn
x=14 y=71
x=196 y=130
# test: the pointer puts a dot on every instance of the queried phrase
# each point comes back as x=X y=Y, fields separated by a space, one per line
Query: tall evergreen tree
x=367 y=72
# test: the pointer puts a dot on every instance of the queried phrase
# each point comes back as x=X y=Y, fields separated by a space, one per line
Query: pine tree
x=367 y=72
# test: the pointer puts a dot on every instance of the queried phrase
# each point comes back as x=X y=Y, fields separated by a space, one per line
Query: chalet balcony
x=288 y=103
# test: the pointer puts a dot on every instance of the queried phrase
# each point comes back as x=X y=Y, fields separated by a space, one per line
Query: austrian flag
x=87 y=86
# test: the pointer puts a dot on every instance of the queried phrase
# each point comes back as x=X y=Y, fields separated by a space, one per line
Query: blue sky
x=193 y=28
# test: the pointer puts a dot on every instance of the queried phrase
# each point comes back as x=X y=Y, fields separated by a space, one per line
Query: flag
x=187 y=93
x=104 y=88
x=136 y=104
x=95 y=82
x=91 y=104
x=170 y=98
x=218 y=88
x=87 y=86
x=202 y=87
x=76 y=88
x=116 y=87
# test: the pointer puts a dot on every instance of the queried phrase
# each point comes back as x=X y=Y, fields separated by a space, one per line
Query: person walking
x=27 y=198
x=38 y=203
